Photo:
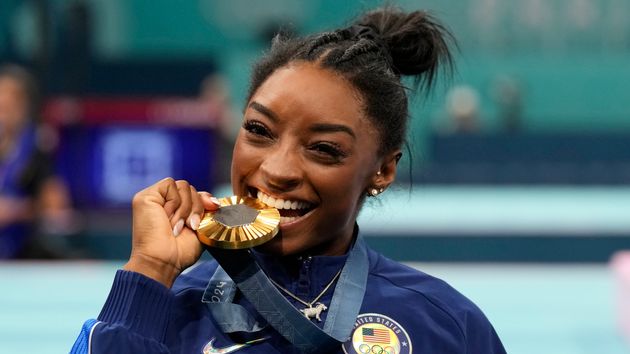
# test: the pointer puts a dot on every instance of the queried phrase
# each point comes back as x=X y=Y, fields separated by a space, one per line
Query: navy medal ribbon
x=238 y=267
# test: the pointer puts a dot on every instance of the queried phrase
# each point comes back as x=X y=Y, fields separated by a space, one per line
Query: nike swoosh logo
x=210 y=349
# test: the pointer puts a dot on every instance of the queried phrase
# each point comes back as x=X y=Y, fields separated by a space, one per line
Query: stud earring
x=381 y=190
x=378 y=173
x=373 y=192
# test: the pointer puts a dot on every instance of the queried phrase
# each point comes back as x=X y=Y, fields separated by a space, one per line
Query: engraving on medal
x=236 y=215
x=240 y=222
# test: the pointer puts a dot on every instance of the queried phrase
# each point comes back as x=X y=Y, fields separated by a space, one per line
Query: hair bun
x=416 y=41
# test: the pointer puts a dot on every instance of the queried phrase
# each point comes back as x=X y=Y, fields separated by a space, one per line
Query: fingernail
x=177 y=229
x=215 y=200
x=194 y=221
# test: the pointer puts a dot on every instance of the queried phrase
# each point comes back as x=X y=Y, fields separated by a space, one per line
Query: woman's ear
x=387 y=172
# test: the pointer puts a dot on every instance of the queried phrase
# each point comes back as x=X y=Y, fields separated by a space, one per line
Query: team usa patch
x=374 y=333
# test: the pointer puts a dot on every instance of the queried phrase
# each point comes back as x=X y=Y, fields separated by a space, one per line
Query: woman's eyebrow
x=317 y=128
x=264 y=110
x=332 y=128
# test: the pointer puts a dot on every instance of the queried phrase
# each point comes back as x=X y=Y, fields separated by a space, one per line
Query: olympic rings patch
x=374 y=333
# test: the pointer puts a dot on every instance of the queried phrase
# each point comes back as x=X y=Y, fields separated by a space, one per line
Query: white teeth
x=279 y=203
x=286 y=219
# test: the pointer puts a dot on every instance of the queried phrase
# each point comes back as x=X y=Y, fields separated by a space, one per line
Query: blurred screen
x=106 y=165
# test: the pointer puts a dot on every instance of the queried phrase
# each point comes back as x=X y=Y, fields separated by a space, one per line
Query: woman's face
x=13 y=104
x=306 y=148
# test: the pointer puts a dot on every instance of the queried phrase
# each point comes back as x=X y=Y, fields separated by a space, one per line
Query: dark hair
x=372 y=54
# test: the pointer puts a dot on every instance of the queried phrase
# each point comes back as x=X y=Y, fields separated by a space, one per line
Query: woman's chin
x=274 y=246
x=283 y=244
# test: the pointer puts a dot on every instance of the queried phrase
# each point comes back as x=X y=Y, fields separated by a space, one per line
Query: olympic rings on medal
x=375 y=349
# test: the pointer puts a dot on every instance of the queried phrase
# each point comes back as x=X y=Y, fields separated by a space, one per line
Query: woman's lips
x=290 y=210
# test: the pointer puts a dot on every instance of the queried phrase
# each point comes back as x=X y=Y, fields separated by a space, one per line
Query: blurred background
x=517 y=191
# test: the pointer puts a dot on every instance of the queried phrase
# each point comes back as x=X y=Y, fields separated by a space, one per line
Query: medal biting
x=240 y=222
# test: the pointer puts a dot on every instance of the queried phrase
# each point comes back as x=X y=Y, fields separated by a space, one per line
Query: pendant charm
x=314 y=312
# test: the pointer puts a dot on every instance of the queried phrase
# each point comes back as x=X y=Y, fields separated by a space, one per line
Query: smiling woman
x=322 y=130
x=306 y=139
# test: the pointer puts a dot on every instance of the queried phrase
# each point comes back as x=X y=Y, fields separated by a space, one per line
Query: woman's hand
x=165 y=216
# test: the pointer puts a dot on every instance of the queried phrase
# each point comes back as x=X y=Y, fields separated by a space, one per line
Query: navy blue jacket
x=404 y=311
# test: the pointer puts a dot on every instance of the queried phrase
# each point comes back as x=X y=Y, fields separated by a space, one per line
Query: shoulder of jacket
x=426 y=288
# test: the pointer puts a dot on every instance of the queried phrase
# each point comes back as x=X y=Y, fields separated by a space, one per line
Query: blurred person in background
x=324 y=124
x=215 y=95
x=507 y=92
x=33 y=201
x=462 y=107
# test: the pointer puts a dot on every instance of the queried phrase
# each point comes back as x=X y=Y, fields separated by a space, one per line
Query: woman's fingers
x=160 y=212
x=191 y=207
x=167 y=189
x=201 y=201
x=209 y=202
x=197 y=210
x=183 y=212
x=183 y=205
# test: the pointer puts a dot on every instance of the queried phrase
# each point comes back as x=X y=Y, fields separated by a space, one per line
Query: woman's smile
x=291 y=209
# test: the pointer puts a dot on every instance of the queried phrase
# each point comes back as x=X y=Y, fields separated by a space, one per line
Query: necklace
x=310 y=311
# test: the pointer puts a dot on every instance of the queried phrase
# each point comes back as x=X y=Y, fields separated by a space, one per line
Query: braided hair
x=372 y=54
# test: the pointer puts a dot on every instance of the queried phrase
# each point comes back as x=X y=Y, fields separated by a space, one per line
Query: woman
x=30 y=193
x=323 y=128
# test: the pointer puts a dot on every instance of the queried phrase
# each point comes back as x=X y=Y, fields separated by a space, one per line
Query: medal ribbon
x=251 y=280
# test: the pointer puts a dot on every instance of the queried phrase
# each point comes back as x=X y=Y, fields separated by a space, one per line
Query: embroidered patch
x=374 y=333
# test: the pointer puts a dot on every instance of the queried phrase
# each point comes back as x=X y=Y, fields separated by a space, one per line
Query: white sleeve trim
x=90 y=337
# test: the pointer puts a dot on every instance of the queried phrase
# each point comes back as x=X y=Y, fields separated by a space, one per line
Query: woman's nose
x=281 y=169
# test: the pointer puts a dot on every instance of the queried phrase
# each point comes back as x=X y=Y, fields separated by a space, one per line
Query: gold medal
x=240 y=222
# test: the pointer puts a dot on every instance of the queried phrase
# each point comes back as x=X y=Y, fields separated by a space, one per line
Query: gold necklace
x=310 y=311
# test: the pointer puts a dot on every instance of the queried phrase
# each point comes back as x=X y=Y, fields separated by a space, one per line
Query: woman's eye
x=328 y=151
x=257 y=128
